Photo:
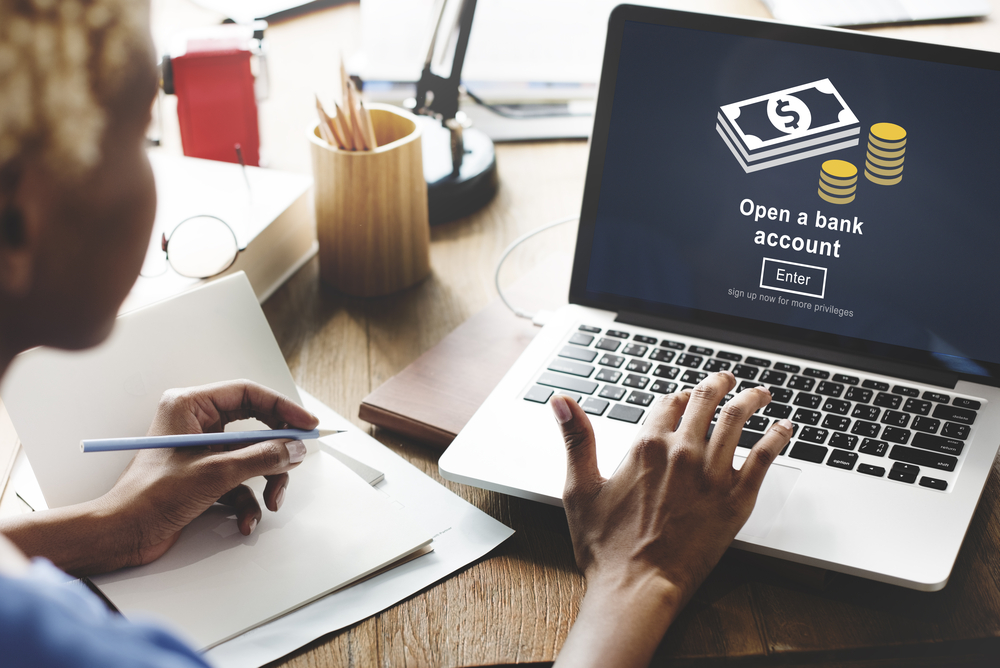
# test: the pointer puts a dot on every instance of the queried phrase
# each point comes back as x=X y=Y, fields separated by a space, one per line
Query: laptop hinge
x=918 y=374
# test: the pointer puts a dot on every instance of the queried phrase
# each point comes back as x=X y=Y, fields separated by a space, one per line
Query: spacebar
x=564 y=382
x=747 y=438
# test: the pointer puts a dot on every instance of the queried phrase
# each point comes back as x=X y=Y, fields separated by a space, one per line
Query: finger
x=732 y=418
x=750 y=477
x=581 y=448
x=665 y=413
x=705 y=398
x=274 y=491
x=242 y=399
x=243 y=501
x=264 y=459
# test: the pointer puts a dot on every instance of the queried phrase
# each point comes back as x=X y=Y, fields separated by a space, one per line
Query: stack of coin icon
x=886 y=146
x=837 y=181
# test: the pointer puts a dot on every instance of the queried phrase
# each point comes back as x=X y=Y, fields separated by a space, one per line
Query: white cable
x=517 y=242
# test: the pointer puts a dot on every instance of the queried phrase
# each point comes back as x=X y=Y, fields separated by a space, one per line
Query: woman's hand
x=162 y=490
x=647 y=537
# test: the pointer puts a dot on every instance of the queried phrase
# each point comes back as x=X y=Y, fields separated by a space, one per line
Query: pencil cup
x=371 y=208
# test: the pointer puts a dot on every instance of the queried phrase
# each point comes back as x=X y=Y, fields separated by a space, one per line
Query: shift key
x=570 y=383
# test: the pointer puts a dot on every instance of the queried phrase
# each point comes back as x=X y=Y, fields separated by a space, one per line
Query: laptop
x=815 y=211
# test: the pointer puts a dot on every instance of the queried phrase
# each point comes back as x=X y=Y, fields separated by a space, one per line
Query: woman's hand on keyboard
x=648 y=536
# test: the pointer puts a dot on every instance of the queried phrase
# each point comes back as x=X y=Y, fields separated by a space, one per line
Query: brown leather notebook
x=435 y=396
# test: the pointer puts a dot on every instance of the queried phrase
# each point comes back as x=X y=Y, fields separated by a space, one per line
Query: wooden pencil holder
x=371 y=208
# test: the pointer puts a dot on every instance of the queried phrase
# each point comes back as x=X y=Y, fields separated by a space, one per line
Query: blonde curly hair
x=61 y=63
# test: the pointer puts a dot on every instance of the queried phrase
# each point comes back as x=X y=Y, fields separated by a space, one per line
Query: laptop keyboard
x=902 y=432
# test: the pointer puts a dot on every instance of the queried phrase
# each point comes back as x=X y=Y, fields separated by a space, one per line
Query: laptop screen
x=837 y=189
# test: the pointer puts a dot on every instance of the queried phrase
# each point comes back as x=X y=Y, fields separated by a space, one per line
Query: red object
x=216 y=106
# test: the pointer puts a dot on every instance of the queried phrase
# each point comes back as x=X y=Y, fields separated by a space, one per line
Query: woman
x=77 y=203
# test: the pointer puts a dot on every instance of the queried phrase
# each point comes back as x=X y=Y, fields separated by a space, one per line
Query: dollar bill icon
x=788 y=125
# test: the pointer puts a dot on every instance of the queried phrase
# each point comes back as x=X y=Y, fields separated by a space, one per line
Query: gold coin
x=840 y=169
x=838 y=183
x=836 y=192
x=888 y=132
x=883 y=163
x=888 y=155
x=836 y=200
x=869 y=167
x=881 y=181
x=886 y=144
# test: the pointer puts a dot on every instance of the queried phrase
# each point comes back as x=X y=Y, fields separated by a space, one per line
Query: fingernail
x=253 y=524
x=296 y=451
x=786 y=423
x=561 y=409
x=278 y=500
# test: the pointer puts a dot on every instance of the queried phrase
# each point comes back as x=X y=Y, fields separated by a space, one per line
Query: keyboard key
x=836 y=422
x=617 y=333
x=896 y=435
x=564 y=382
x=780 y=394
x=635 y=380
x=608 y=344
x=626 y=413
x=806 y=417
x=808 y=400
x=954 y=414
x=590 y=328
x=868 y=469
x=700 y=350
x=909 y=468
x=830 y=389
x=875 y=385
x=612 y=392
x=844 y=378
x=928 y=425
x=933 y=483
x=661 y=355
x=574 y=353
x=923 y=458
x=870 y=446
x=808 y=452
x=947 y=446
x=571 y=367
x=745 y=384
x=858 y=394
x=748 y=439
x=863 y=428
x=895 y=418
x=888 y=400
x=608 y=376
x=744 y=371
x=952 y=430
x=843 y=441
x=816 y=373
x=906 y=391
x=664 y=371
x=777 y=411
x=640 y=398
x=594 y=406
x=611 y=360
x=712 y=366
x=663 y=387
x=917 y=406
x=771 y=377
x=693 y=361
x=640 y=366
x=758 y=361
x=732 y=357
x=672 y=344
x=572 y=395
x=902 y=476
x=635 y=349
x=538 y=394
x=801 y=383
x=693 y=377
x=967 y=403
x=836 y=406
x=842 y=459
x=935 y=396
x=790 y=368
x=866 y=412
x=757 y=423
x=644 y=339
x=813 y=435
x=580 y=339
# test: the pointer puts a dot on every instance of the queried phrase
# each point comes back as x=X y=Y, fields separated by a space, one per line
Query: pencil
x=353 y=108
x=366 y=126
x=202 y=440
x=325 y=131
x=344 y=122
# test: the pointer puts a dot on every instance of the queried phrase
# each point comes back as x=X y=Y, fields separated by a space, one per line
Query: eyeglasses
x=199 y=247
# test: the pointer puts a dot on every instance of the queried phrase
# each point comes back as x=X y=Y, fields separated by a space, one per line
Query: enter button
x=798 y=279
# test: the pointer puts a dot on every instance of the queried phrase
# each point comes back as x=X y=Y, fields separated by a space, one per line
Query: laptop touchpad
x=777 y=486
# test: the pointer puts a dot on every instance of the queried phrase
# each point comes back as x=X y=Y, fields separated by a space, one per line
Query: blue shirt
x=46 y=620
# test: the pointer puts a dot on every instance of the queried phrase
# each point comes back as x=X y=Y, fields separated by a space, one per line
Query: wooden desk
x=517 y=605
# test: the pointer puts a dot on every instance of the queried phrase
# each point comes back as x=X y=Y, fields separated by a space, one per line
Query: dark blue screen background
x=669 y=229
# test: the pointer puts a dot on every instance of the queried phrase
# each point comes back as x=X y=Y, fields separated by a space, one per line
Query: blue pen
x=203 y=440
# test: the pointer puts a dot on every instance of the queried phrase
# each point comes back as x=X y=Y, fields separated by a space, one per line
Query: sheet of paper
x=216 y=583
x=462 y=534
